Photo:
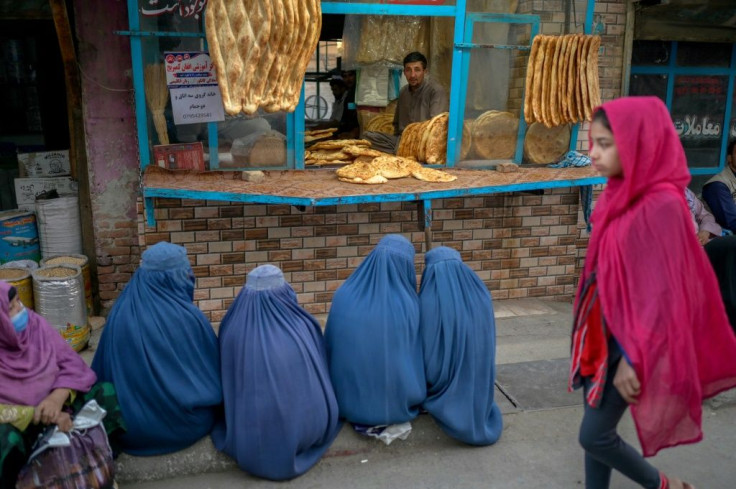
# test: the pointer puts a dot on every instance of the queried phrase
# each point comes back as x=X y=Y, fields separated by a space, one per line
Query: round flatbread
x=494 y=136
x=543 y=145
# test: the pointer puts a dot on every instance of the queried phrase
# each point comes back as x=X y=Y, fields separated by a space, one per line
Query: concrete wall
x=112 y=145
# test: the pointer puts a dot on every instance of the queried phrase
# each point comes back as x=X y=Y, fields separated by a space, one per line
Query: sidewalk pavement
x=538 y=447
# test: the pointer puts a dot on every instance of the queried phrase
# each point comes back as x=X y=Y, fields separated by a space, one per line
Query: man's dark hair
x=414 y=57
x=731 y=145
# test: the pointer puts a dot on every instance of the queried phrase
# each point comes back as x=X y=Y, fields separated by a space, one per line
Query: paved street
x=538 y=448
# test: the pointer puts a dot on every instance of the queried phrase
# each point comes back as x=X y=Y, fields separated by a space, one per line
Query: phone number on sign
x=196 y=116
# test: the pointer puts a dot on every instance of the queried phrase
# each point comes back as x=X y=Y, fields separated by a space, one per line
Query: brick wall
x=519 y=245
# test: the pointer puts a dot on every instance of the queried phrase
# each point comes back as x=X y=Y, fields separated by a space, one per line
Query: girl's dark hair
x=11 y=293
x=600 y=116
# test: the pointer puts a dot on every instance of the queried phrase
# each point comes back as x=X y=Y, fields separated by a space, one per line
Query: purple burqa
x=37 y=360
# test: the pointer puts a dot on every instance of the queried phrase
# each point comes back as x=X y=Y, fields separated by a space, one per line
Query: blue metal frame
x=295 y=120
x=672 y=70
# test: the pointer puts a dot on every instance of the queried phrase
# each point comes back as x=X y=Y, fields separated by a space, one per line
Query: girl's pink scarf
x=659 y=294
x=37 y=360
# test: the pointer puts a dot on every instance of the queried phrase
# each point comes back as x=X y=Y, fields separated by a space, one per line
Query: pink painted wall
x=112 y=147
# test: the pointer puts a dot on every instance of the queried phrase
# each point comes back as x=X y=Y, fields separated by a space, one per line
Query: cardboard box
x=26 y=189
x=187 y=156
x=46 y=164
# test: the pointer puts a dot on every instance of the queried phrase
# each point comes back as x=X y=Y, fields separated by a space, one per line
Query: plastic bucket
x=81 y=261
x=18 y=236
x=58 y=291
x=20 y=278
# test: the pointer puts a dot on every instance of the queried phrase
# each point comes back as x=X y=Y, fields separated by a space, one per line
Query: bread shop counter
x=321 y=187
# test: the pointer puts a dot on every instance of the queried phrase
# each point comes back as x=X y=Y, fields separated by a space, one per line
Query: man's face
x=414 y=73
x=337 y=90
x=731 y=159
x=349 y=77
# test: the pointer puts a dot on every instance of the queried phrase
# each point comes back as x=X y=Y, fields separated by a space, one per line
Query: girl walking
x=650 y=328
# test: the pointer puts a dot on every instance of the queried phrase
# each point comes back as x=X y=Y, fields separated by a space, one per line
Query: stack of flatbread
x=426 y=141
x=260 y=50
x=317 y=134
x=340 y=152
x=382 y=168
x=381 y=123
x=494 y=135
x=562 y=79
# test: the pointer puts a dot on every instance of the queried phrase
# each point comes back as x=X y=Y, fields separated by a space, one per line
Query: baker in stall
x=419 y=100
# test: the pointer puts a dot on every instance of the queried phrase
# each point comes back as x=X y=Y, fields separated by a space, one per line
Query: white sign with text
x=195 y=94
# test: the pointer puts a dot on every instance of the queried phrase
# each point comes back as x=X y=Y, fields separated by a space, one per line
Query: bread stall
x=495 y=138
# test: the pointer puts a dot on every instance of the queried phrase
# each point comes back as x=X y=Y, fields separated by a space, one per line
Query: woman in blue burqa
x=161 y=353
x=280 y=410
x=458 y=334
x=372 y=334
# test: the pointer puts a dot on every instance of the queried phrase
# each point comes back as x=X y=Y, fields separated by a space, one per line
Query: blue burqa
x=373 y=344
x=161 y=353
x=281 y=414
x=458 y=334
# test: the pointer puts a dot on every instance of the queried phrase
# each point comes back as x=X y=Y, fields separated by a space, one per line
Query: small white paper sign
x=195 y=94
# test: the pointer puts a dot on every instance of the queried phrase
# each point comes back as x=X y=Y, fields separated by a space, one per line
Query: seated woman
x=281 y=414
x=373 y=346
x=458 y=334
x=162 y=355
x=43 y=381
x=705 y=223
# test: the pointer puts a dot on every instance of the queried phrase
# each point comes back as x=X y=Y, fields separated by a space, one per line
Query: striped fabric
x=588 y=315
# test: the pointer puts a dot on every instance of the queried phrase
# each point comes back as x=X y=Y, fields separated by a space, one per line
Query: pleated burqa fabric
x=281 y=414
x=458 y=334
x=161 y=353
x=372 y=334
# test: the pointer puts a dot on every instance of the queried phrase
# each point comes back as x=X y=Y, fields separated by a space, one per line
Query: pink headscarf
x=37 y=360
x=659 y=294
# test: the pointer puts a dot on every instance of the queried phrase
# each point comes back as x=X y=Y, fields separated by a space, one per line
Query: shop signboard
x=195 y=94
x=698 y=111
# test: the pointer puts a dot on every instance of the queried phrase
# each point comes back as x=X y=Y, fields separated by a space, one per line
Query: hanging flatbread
x=593 y=81
x=554 y=84
x=584 y=78
x=494 y=135
x=572 y=79
x=538 y=81
x=529 y=84
x=544 y=145
x=563 y=81
x=549 y=54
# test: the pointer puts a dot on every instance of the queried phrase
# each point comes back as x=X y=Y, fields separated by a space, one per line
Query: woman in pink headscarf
x=43 y=381
x=650 y=329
